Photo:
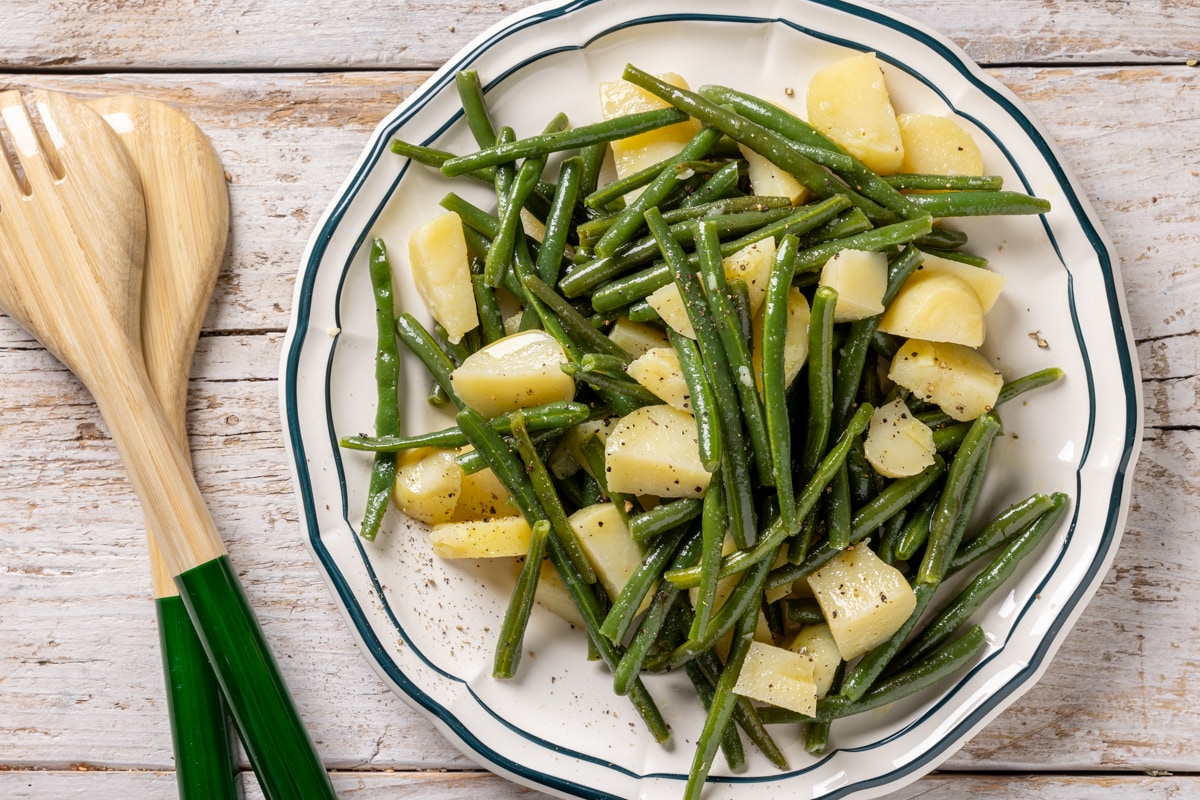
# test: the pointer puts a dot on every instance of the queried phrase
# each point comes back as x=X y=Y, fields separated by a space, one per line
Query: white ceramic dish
x=428 y=625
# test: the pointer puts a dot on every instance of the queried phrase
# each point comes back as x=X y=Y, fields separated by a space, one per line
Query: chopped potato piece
x=817 y=643
x=986 y=284
x=897 y=443
x=958 y=379
x=553 y=596
x=778 y=676
x=936 y=145
x=577 y=434
x=654 y=450
x=667 y=302
x=753 y=265
x=658 y=370
x=768 y=180
x=503 y=537
x=860 y=279
x=518 y=371
x=427 y=485
x=864 y=600
x=636 y=338
x=481 y=495
x=937 y=307
x=635 y=153
x=795 y=343
x=441 y=271
x=848 y=101
x=610 y=549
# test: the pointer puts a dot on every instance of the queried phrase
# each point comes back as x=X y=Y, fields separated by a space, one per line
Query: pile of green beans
x=791 y=484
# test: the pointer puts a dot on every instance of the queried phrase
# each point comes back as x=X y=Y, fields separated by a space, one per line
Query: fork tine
x=35 y=156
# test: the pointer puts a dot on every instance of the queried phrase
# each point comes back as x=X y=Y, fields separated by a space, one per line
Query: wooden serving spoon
x=187 y=223
x=72 y=244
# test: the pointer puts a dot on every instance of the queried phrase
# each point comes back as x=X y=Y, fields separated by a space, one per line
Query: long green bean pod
x=774 y=387
x=559 y=221
x=516 y=619
x=387 y=386
x=1000 y=528
x=712 y=532
x=703 y=400
x=558 y=415
x=470 y=95
x=628 y=602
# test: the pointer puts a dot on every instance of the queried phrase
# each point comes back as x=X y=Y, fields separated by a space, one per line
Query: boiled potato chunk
x=635 y=153
x=658 y=370
x=441 y=271
x=817 y=644
x=553 y=596
x=860 y=278
x=752 y=264
x=610 y=549
x=667 y=302
x=481 y=495
x=848 y=101
x=427 y=484
x=864 y=600
x=795 y=343
x=518 y=371
x=570 y=443
x=654 y=450
x=956 y=378
x=636 y=338
x=768 y=180
x=778 y=676
x=897 y=443
x=986 y=284
x=938 y=307
x=503 y=537
x=936 y=145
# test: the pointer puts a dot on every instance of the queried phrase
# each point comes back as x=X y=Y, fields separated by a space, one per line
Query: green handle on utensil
x=204 y=766
x=280 y=751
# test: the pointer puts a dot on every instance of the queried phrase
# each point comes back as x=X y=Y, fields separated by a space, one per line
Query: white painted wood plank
x=377 y=34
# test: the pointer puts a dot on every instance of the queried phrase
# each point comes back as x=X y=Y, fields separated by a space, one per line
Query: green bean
x=736 y=348
x=470 y=95
x=981 y=183
x=735 y=467
x=714 y=208
x=941 y=546
x=387 y=386
x=571 y=139
x=1008 y=392
x=547 y=496
x=979 y=204
x=630 y=219
x=731 y=742
x=778 y=150
x=559 y=221
x=719 y=185
x=804 y=611
x=712 y=532
x=516 y=619
x=837 y=514
x=915 y=532
x=955 y=255
x=551 y=416
x=593 y=159
x=816 y=146
x=508 y=467
x=768 y=544
x=602 y=196
x=592 y=450
x=942 y=238
x=775 y=407
x=702 y=399
x=632 y=395
x=724 y=701
x=423 y=346
x=876 y=239
x=605 y=363
x=820 y=378
x=1000 y=528
x=949 y=436
x=968 y=601
x=576 y=324
x=663 y=517
x=628 y=601
x=491 y=321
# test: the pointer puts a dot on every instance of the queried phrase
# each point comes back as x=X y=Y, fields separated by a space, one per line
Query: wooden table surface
x=288 y=91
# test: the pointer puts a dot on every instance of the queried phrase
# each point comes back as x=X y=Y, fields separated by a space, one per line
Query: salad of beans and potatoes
x=722 y=407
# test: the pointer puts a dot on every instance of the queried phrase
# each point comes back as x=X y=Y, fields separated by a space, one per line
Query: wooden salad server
x=72 y=246
x=187 y=224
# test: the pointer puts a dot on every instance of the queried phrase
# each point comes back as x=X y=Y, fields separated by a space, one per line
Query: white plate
x=428 y=625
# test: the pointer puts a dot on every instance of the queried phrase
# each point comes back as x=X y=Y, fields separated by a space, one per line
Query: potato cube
x=864 y=600
x=503 y=537
x=441 y=272
x=937 y=307
x=778 y=676
x=752 y=264
x=654 y=450
x=635 y=153
x=768 y=180
x=518 y=371
x=427 y=484
x=816 y=642
x=611 y=550
x=986 y=284
x=667 y=302
x=658 y=370
x=936 y=145
x=848 y=101
x=637 y=337
x=481 y=495
x=958 y=379
x=860 y=279
x=897 y=443
x=553 y=596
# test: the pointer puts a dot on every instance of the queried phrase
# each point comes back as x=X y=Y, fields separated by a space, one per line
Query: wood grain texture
x=53 y=36
x=79 y=671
